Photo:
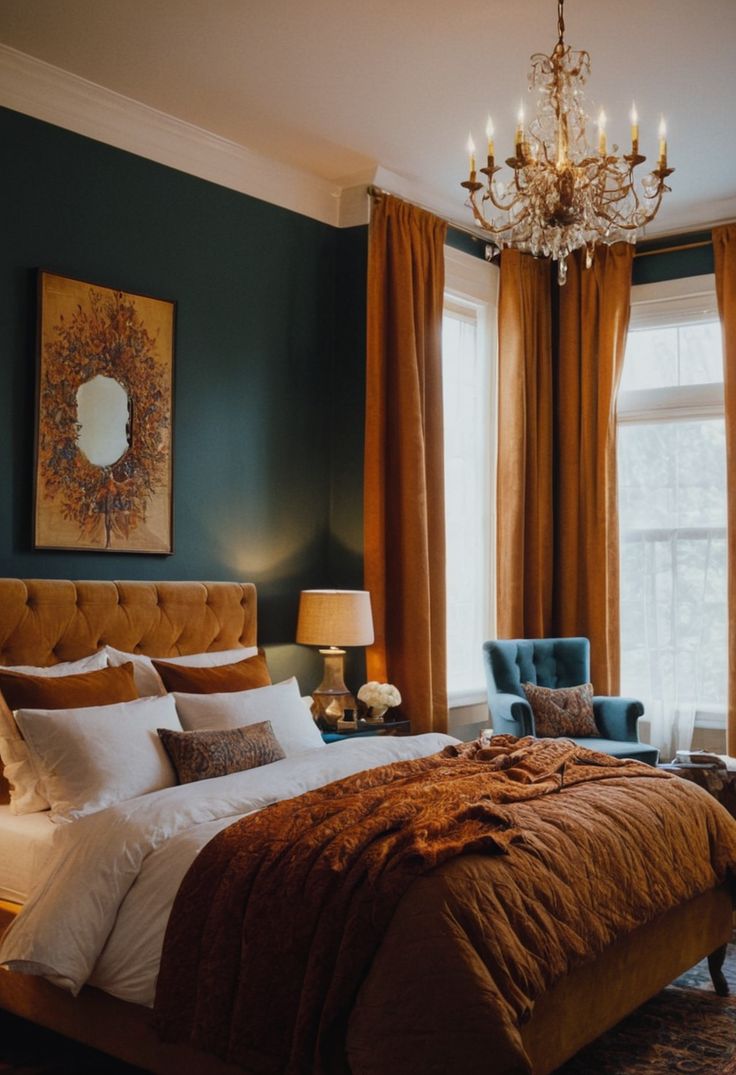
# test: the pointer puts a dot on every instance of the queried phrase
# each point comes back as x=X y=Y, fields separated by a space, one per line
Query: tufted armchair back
x=548 y=662
x=557 y=662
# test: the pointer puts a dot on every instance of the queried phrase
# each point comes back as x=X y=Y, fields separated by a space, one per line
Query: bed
x=43 y=622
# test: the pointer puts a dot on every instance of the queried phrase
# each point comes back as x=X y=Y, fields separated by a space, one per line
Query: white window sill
x=471 y=696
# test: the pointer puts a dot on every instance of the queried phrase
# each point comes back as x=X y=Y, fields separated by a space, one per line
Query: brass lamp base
x=332 y=698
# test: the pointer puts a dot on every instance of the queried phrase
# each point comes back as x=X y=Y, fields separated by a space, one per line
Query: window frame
x=667 y=304
x=472 y=284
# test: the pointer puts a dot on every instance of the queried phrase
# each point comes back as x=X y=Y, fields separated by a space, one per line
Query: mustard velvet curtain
x=404 y=524
x=724 y=251
x=557 y=502
x=593 y=322
x=524 y=509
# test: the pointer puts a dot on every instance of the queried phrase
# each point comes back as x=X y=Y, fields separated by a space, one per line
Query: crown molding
x=693 y=216
x=48 y=93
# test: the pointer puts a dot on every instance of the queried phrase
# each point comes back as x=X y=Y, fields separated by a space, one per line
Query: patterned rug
x=685 y=1030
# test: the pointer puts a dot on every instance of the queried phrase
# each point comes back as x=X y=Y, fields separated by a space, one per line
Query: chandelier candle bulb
x=662 y=143
x=471 y=155
x=634 y=117
x=602 y=133
x=520 y=131
x=491 y=147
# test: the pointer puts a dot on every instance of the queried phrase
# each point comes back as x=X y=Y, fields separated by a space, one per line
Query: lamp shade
x=335 y=618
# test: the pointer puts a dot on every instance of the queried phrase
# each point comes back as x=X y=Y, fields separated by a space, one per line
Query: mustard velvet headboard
x=44 y=621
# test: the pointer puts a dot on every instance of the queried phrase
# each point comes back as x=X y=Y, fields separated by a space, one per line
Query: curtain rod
x=673 y=249
x=379 y=192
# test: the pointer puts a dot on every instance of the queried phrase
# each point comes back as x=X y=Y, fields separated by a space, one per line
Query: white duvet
x=100 y=910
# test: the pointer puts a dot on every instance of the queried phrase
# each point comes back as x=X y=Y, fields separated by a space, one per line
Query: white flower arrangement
x=379 y=695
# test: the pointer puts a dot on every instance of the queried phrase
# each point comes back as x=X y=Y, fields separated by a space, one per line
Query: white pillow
x=65 y=668
x=280 y=703
x=93 y=757
x=25 y=796
x=149 y=682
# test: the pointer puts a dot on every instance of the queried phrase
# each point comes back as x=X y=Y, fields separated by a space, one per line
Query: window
x=672 y=511
x=469 y=388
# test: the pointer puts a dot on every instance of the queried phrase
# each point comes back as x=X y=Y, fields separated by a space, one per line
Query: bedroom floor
x=686 y=1028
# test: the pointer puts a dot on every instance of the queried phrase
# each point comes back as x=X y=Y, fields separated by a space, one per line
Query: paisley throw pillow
x=206 y=754
x=564 y=711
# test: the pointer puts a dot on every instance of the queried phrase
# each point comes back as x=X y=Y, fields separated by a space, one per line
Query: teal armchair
x=557 y=662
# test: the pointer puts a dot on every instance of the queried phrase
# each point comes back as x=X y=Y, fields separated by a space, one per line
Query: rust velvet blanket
x=279 y=923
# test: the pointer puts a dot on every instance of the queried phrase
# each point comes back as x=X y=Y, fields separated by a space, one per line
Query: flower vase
x=376 y=713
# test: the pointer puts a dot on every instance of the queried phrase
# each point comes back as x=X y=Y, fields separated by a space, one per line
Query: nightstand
x=721 y=783
x=365 y=728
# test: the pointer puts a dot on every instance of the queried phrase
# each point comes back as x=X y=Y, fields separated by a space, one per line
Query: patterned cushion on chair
x=562 y=711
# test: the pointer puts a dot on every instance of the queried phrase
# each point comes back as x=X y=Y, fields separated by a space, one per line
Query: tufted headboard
x=44 y=621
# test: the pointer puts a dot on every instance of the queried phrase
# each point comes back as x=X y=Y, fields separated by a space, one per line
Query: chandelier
x=564 y=194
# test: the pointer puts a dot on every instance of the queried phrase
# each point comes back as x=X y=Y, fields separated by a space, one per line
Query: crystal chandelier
x=564 y=194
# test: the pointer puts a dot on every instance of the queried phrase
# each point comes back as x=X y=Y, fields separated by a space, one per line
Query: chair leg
x=715 y=964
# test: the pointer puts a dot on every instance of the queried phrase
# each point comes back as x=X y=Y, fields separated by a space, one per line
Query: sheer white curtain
x=672 y=512
x=674 y=624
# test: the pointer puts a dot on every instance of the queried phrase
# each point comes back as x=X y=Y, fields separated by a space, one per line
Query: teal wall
x=650 y=268
x=256 y=347
x=269 y=366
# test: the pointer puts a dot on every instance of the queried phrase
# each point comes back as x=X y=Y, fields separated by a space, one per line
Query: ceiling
x=339 y=87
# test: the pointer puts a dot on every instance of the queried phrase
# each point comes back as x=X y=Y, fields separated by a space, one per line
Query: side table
x=364 y=728
x=721 y=783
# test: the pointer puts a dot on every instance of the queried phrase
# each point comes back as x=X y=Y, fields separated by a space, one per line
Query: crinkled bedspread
x=492 y=873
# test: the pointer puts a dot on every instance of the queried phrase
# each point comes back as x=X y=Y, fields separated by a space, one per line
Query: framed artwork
x=103 y=477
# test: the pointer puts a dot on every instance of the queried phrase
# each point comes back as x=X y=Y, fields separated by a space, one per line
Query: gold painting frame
x=104 y=419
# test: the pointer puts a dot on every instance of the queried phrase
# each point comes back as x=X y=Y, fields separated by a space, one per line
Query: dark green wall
x=255 y=287
x=269 y=368
x=663 y=264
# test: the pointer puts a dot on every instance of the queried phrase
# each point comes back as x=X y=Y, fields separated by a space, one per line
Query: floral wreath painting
x=103 y=419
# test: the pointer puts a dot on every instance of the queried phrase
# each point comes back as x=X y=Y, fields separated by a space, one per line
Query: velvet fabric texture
x=724 y=251
x=206 y=754
x=223 y=679
x=557 y=550
x=404 y=527
x=524 y=507
x=593 y=322
x=45 y=621
x=103 y=687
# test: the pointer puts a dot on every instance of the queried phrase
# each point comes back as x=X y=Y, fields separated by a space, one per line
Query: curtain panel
x=559 y=370
x=404 y=508
x=724 y=251
x=524 y=507
x=594 y=307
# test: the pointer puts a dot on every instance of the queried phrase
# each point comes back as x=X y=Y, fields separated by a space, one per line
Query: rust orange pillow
x=564 y=711
x=103 y=687
x=241 y=676
x=18 y=690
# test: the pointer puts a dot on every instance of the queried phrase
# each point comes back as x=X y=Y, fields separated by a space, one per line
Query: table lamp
x=332 y=619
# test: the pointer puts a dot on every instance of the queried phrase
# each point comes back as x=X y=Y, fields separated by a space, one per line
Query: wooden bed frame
x=44 y=621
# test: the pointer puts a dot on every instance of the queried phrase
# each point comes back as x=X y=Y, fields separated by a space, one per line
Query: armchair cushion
x=564 y=711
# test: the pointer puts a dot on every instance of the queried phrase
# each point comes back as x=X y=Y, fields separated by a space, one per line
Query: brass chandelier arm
x=650 y=215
